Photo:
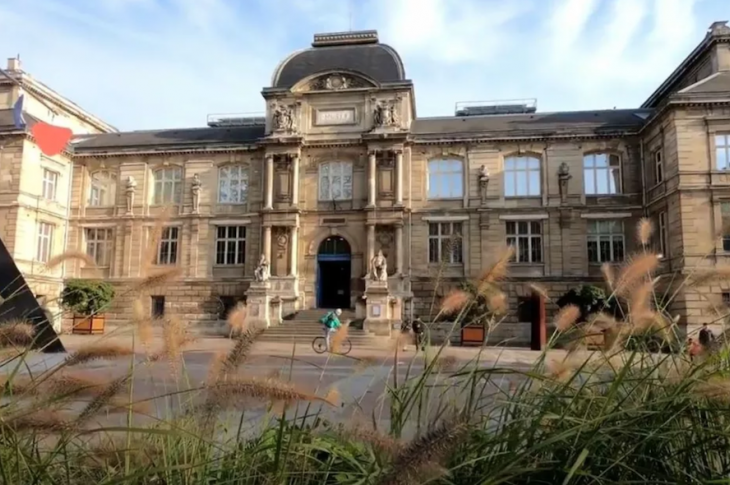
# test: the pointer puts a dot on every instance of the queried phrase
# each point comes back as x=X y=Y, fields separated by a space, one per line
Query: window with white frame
x=445 y=242
x=44 y=244
x=602 y=174
x=232 y=184
x=168 y=246
x=103 y=189
x=50 y=184
x=99 y=245
x=230 y=245
x=335 y=181
x=522 y=177
x=725 y=221
x=605 y=241
x=722 y=151
x=445 y=179
x=663 y=234
x=658 y=166
x=168 y=185
x=526 y=238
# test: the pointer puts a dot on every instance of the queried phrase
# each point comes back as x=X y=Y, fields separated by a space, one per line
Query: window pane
x=535 y=227
x=523 y=249
x=722 y=158
x=618 y=249
x=588 y=181
x=522 y=227
x=433 y=250
x=593 y=251
x=511 y=227
x=536 y=243
x=614 y=181
x=534 y=183
x=601 y=181
x=521 y=183
x=600 y=160
x=604 y=246
x=509 y=184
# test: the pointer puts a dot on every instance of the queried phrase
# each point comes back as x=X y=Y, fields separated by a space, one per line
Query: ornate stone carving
x=262 y=273
x=385 y=114
x=337 y=82
x=564 y=177
x=196 y=184
x=283 y=118
x=379 y=267
x=129 y=192
x=281 y=238
x=483 y=183
x=384 y=236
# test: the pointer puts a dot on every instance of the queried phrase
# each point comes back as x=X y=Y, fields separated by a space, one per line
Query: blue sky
x=142 y=64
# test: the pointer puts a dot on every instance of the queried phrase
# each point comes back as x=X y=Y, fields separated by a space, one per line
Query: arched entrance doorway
x=334 y=260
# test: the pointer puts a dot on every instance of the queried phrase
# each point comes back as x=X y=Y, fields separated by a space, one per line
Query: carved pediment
x=336 y=82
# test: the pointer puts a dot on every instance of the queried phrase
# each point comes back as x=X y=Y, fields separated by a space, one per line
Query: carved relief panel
x=385 y=241
x=283 y=178
x=385 y=174
x=279 y=250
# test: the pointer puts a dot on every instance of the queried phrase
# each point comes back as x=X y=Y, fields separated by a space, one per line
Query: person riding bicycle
x=706 y=336
x=331 y=324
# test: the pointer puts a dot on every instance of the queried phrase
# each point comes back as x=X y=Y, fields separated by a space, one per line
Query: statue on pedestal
x=379 y=267
x=196 y=193
x=483 y=183
x=129 y=192
x=261 y=273
x=563 y=177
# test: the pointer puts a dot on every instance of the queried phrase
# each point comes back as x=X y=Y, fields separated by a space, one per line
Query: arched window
x=335 y=181
x=445 y=179
x=522 y=176
x=602 y=174
x=103 y=189
x=232 y=184
x=168 y=185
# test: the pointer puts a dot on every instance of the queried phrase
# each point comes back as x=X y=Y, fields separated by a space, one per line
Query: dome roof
x=358 y=52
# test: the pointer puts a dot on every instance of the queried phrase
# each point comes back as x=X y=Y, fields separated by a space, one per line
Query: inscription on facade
x=334 y=117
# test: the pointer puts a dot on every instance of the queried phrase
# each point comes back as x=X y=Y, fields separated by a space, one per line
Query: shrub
x=87 y=297
x=589 y=299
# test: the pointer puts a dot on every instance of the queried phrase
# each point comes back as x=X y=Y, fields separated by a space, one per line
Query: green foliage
x=87 y=297
x=589 y=299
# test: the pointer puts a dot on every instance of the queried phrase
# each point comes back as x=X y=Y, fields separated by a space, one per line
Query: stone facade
x=340 y=167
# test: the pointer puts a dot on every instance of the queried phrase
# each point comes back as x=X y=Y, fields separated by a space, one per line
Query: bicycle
x=319 y=345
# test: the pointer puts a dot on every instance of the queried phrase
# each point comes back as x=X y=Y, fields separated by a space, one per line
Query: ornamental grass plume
x=635 y=270
x=36 y=421
x=72 y=255
x=340 y=336
x=232 y=392
x=103 y=399
x=155 y=234
x=98 y=351
x=644 y=231
x=16 y=334
x=454 y=302
x=566 y=317
x=158 y=278
x=142 y=322
x=236 y=319
x=609 y=276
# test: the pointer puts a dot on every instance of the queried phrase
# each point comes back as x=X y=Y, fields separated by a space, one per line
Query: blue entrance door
x=334 y=264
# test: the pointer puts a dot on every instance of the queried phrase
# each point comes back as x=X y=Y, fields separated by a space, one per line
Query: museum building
x=340 y=170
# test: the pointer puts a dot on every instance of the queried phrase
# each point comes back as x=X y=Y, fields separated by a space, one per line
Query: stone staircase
x=304 y=326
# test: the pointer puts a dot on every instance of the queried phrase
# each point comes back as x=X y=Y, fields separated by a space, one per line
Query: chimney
x=14 y=64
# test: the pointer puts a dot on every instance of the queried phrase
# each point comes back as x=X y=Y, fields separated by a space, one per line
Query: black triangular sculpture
x=19 y=304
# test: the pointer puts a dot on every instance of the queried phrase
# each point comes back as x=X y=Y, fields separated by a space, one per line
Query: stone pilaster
x=399 y=249
x=293 y=250
x=399 y=177
x=295 y=181
x=266 y=243
x=370 y=245
x=371 y=178
x=269 y=180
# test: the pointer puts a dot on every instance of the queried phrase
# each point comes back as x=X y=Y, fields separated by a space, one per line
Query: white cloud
x=162 y=63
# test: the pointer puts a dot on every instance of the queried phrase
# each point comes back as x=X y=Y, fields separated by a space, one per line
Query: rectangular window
x=444 y=242
x=663 y=234
x=722 y=151
x=99 y=245
x=335 y=181
x=168 y=186
x=726 y=299
x=658 y=166
x=45 y=242
x=445 y=179
x=230 y=245
x=157 y=306
x=232 y=184
x=605 y=241
x=526 y=237
x=167 y=251
x=725 y=215
x=601 y=174
x=50 y=183
x=522 y=177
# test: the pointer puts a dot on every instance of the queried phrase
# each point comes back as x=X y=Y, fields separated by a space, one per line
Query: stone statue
x=129 y=192
x=563 y=177
x=283 y=118
x=261 y=273
x=379 y=267
x=196 y=193
x=483 y=183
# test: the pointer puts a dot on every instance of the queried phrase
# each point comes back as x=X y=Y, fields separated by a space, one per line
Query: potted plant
x=87 y=299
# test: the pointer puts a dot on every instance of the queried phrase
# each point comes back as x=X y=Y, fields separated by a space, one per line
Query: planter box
x=473 y=335
x=88 y=325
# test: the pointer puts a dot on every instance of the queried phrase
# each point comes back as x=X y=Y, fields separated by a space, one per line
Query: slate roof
x=535 y=124
x=173 y=138
x=377 y=61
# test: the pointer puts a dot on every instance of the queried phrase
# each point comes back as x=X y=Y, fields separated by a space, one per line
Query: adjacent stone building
x=340 y=167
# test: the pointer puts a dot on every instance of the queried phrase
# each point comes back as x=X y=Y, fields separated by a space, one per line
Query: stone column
x=371 y=245
x=267 y=244
x=399 y=249
x=269 y=187
x=371 y=179
x=293 y=250
x=399 y=177
x=295 y=181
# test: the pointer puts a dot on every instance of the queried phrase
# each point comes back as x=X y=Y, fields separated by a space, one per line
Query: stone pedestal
x=378 y=308
x=276 y=316
x=258 y=304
